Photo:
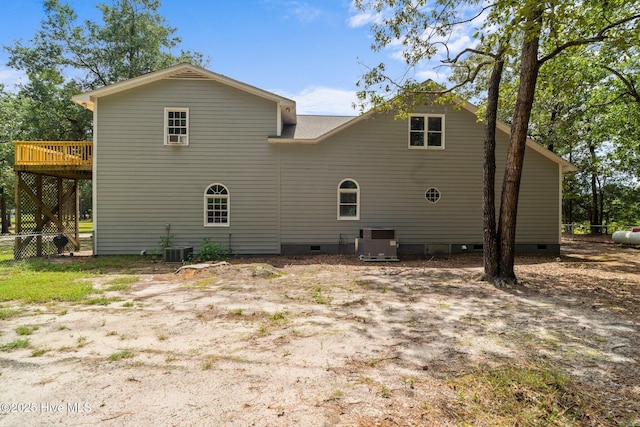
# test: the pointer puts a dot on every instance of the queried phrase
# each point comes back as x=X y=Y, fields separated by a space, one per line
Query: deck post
x=38 y=218
x=76 y=217
x=17 y=248
x=48 y=193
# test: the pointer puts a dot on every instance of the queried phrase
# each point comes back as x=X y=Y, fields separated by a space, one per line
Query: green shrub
x=210 y=251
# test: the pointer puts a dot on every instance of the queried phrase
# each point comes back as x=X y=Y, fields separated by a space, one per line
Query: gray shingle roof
x=311 y=127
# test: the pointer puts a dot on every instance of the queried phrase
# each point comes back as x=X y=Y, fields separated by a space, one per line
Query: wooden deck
x=68 y=159
x=47 y=195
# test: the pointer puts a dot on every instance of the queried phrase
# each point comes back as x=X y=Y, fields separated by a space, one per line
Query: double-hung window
x=176 y=126
x=348 y=200
x=216 y=206
x=426 y=131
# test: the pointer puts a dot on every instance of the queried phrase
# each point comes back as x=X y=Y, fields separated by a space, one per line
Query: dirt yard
x=327 y=341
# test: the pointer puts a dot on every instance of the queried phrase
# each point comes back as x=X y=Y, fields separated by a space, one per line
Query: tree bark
x=593 y=218
x=3 y=214
x=529 y=68
x=490 y=237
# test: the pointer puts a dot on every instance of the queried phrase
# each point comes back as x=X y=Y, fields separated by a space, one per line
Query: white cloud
x=360 y=19
x=456 y=41
x=431 y=74
x=323 y=100
x=300 y=11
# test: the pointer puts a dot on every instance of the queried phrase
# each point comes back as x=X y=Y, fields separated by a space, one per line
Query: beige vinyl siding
x=393 y=181
x=143 y=184
x=539 y=203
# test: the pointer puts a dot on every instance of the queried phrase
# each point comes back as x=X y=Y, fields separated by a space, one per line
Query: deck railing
x=54 y=153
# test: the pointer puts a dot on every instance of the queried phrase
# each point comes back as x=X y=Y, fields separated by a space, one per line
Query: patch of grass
x=22 y=282
x=6 y=253
x=15 y=345
x=385 y=392
x=121 y=283
x=162 y=337
x=361 y=283
x=409 y=382
x=119 y=355
x=113 y=288
x=273 y=275
x=236 y=312
x=124 y=280
x=38 y=352
x=128 y=304
x=278 y=317
x=26 y=330
x=102 y=300
x=318 y=297
x=373 y=362
x=208 y=363
x=95 y=265
x=202 y=283
x=518 y=395
x=337 y=394
x=6 y=313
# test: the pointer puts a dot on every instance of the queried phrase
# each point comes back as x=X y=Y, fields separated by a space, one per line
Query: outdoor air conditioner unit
x=177 y=140
x=177 y=254
x=377 y=244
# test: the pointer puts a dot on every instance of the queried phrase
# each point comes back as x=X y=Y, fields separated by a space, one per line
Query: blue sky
x=311 y=51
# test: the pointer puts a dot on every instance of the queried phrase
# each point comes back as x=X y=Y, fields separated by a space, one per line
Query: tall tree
x=543 y=30
x=67 y=56
x=9 y=123
x=133 y=39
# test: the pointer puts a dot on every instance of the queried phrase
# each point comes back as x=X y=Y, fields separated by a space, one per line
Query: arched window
x=348 y=200
x=216 y=206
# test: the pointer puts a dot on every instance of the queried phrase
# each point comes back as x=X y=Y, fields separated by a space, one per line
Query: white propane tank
x=630 y=237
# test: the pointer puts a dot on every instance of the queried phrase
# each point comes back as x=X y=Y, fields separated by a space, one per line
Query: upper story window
x=176 y=126
x=348 y=200
x=216 y=206
x=426 y=131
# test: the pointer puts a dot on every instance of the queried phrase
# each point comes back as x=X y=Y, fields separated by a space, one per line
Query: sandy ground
x=324 y=341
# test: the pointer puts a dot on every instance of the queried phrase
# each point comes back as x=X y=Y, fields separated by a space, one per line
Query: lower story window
x=348 y=200
x=216 y=206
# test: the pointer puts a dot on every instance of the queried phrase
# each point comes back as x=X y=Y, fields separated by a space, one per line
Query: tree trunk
x=529 y=68
x=593 y=218
x=3 y=214
x=490 y=237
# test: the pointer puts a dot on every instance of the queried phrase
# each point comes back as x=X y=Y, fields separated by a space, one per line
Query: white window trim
x=426 y=121
x=431 y=201
x=166 y=126
x=357 y=192
x=206 y=211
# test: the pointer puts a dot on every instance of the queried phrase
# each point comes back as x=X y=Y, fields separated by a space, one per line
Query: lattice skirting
x=46 y=206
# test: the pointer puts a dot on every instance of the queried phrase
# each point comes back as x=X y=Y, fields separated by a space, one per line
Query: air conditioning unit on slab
x=178 y=254
x=377 y=244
